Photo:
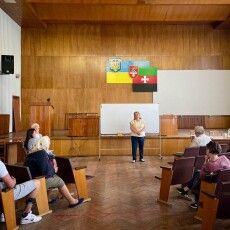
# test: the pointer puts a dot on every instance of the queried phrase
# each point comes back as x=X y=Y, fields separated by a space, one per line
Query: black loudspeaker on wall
x=7 y=64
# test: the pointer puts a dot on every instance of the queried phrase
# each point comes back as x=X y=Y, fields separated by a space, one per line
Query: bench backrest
x=223 y=194
x=191 y=152
x=21 y=173
x=182 y=170
x=65 y=170
x=199 y=161
x=202 y=150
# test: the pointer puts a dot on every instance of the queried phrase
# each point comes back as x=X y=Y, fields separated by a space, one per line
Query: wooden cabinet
x=168 y=125
x=4 y=123
x=84 y=125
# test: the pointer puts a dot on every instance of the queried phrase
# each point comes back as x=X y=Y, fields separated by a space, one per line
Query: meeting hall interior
x=115 y=114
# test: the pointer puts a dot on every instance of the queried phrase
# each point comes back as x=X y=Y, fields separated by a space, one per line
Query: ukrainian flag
x=122 y=75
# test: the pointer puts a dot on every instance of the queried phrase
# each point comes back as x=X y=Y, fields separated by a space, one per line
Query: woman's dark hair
x=214 y=148
x=29 y=135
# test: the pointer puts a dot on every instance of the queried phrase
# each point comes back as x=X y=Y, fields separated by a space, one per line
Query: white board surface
x=115 y=118
x=193 y=92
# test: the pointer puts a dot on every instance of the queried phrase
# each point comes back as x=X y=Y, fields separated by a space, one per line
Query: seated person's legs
x=29 y=189
x=57 y=182
x=189 y=185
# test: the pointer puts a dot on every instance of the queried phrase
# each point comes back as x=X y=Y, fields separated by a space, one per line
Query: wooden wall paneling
x=43 y=115
x=226 y=62
x=217 y=122
x=168 y=125
x=116 y=146
x=4 y=123
x=67 y=62
x=190 y=121
x=173 y=145
x=75 y=147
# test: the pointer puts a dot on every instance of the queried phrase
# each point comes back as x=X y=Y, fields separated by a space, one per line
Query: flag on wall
x=146 y=80
x=117 y=70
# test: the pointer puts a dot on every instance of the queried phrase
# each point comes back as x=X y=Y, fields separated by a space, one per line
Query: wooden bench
x=211 y=189
x=22 y=174
x=73 y=175
x=7 y=206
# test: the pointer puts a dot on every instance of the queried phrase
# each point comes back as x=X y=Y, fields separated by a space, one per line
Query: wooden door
x=17 y=124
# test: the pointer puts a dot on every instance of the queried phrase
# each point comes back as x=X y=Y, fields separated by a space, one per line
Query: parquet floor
x=123 y=198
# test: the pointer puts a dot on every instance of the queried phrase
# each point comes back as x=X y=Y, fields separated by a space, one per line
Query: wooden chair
x=211 y=188
x=22 y=174
x=72 y=175
x=224 y=148
x=180 y=173
x=199 y=161
x=189 y=152
x=202 y=150
x=216 y=203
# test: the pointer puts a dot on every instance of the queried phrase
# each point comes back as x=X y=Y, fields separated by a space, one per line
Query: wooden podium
x=42 y=113
x=84 y=125
x=169 y=125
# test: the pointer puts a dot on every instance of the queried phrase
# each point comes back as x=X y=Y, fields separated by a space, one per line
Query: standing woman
x=137 y=127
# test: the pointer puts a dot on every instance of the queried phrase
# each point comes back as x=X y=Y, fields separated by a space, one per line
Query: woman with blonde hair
x=39 y=165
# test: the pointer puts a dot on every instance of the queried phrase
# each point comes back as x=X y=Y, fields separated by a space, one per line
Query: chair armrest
x=208 y=187
x=225 y=182
x=211 y=195
x=38 y=177
x=80 y=167
x=6 y=189
x=166 y=167
x=178 y=154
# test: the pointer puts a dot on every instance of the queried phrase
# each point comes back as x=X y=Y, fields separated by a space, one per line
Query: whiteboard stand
x=99 y=144
x=99 y=149
x=160 y=139
x=160 y=145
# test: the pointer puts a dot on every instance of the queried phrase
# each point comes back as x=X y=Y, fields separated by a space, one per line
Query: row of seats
x=198 y=151
x=70 y=175
x=214 y=197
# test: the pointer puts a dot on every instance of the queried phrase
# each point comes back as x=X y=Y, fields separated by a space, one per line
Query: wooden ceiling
x=40 y=13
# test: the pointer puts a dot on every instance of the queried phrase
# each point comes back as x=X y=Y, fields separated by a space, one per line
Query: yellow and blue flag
x=117 y=70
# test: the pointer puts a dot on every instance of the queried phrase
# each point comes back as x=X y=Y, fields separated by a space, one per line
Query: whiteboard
x=193 y=92
x=115 y=118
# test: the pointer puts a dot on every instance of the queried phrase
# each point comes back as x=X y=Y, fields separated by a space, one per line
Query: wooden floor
x=123 y=197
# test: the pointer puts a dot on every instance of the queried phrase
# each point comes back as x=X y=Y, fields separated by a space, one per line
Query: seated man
x=28 y=189
x=200 y=139
x=39 y=164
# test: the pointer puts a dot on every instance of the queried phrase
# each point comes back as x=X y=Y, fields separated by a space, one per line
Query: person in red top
x=213 y=163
